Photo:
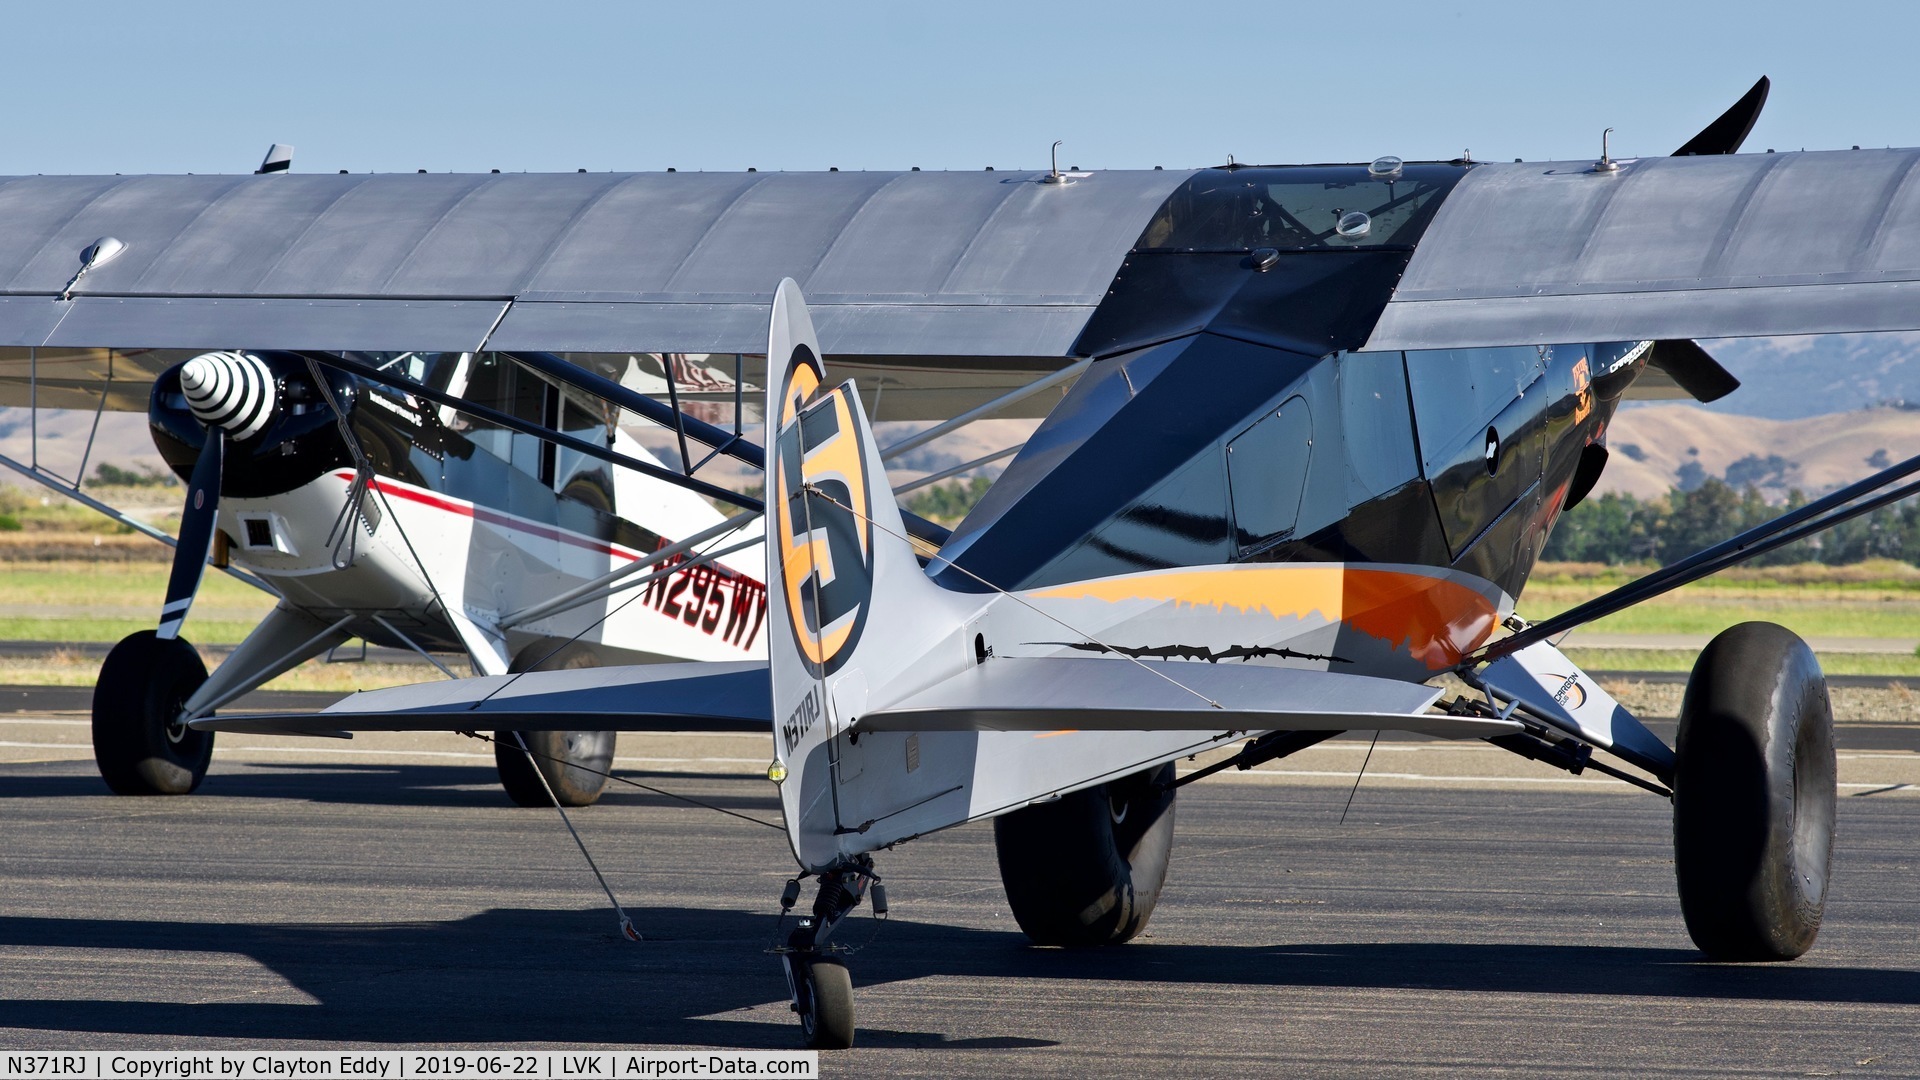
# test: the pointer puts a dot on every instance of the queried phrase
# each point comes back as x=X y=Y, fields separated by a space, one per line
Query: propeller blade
x=1693 y=369
x=1725 y=134
x=196 y=534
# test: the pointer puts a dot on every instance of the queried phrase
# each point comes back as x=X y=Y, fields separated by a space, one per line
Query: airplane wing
x=1742 y=245
x=937 y=291
x=962 y=285
x=713 y=696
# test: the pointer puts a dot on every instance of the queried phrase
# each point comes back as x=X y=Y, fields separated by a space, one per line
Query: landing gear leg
x=817 y=977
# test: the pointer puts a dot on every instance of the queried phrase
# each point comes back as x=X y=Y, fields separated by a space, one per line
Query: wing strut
x=1817 y=516
x=525 y=427
x=734 y=446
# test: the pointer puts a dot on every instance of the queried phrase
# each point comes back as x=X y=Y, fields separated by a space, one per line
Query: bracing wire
x=698 y=557
x=1016 y=598
x=626 y=924
x=362 y=480
x=1357 y=776
x=618 y=779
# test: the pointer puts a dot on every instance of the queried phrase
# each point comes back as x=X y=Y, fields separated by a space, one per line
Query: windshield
x=1298 y=208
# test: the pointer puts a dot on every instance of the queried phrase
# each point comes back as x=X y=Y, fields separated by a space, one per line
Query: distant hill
x=1658 y=447
x=123 y=441
x=1789 y=378
x=1810 y=414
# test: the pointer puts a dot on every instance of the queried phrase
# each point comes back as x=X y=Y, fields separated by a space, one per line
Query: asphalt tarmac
x=1474 y=915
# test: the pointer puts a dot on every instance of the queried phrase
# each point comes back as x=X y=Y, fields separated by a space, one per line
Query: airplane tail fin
x=848 y=607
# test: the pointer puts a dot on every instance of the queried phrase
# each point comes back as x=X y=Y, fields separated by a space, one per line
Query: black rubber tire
x=826 y=1007
x=137 y=744
x=573 y=786
x=1754 y=795
x=1086 y=869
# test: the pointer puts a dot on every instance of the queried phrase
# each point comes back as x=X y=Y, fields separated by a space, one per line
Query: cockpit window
x=1298 y=208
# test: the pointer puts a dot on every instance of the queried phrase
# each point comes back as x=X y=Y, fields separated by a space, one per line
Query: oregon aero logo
x=825 y=539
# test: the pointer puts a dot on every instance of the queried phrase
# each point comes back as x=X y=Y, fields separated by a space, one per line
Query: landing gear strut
x=817 y=977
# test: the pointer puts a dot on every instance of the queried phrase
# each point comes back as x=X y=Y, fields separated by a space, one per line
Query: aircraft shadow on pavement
x=701 y=977
x=542 y=977
x=383 y=785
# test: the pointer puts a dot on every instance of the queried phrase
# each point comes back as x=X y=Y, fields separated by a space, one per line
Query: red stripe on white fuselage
x=716 y=600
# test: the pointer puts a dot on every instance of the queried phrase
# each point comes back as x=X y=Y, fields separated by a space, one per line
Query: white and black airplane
x=1325 y=417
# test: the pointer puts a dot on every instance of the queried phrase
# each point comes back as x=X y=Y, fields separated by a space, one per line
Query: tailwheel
x=1754 y=795
x=573 y=763
x=826 y=1004
x=816 y=976
x=140 y=739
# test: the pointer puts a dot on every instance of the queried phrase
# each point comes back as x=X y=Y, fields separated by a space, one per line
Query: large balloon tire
x=826 y=1008
x=1086 y=869
x=573 y=762
x=1754 y=796
x=139 y=743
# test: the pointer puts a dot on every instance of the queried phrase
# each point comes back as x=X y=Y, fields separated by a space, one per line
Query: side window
x=498 y=383
x=577 y=476
x=1457 y=392
x=1375 y=425
x=1266 y=472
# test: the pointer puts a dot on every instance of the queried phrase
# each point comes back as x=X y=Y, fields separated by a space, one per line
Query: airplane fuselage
x=462 y=517
x=1231 y=416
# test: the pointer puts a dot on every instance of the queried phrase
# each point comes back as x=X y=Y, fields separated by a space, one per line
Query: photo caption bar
x=407 y=1064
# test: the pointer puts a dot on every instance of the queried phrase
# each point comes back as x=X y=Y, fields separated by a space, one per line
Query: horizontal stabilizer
x=654 y=697
x=1071 y=693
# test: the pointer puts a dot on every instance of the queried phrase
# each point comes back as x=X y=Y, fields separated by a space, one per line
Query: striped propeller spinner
x=231 y=390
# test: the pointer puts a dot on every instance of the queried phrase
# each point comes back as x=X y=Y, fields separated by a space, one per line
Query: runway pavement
x=1475 y=915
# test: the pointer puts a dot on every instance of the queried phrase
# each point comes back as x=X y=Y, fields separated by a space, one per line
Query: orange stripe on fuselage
x=1436 y=620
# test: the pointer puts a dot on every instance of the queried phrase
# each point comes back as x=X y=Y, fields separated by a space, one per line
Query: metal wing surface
x=966 y=282
x=1061 y=693
x=1666 y=248
x=660 y=697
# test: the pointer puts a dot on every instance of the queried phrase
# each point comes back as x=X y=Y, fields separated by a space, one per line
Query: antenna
x=1606 y=164
x=1055 y=176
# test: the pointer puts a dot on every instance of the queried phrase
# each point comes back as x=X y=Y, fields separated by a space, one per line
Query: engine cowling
x=280 y=432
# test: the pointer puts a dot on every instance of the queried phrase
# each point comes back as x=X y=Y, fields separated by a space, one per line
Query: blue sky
x=204 y=87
